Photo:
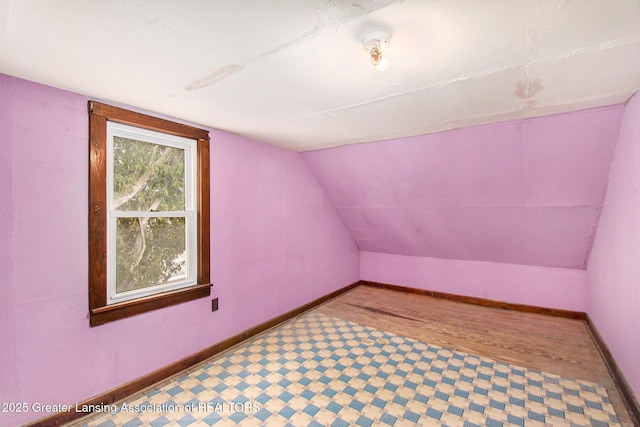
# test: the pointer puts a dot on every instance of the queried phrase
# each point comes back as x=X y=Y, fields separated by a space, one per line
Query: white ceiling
x=293 y=72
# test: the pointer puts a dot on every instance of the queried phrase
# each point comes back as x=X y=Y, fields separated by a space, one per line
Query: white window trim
x=190 y=213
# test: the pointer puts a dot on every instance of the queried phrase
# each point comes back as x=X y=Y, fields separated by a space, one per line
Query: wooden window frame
x=99 y=311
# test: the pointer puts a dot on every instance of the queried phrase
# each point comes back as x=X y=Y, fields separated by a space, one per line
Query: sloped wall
x=276 y=243
x=506 y=211
x=522 y=192
x=613 y=272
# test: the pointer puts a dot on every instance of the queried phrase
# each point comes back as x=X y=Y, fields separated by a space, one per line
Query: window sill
x=109 y=313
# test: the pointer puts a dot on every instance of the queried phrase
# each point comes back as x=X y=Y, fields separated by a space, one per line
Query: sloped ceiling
x=294 y=73
x=522 y=192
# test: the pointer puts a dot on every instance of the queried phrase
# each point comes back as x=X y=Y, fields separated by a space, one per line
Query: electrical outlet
x=214 y=304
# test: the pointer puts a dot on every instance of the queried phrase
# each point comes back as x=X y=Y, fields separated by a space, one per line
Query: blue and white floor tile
x=322 y=371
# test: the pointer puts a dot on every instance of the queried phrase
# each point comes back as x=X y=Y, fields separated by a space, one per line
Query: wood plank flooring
x=552 y=344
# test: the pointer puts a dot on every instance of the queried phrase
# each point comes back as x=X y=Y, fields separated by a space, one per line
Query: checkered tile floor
x=322 y=371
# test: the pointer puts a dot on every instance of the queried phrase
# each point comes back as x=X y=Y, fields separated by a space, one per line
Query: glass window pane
x=150 y=251
x=147 y=176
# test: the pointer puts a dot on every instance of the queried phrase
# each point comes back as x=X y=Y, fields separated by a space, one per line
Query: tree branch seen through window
x=149 y=213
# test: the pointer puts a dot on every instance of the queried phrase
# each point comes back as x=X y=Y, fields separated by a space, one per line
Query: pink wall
x=551 y=287
x=277 y=243
x=613 y=272
x=505 y=211
x=8 y=377
x=520 y=192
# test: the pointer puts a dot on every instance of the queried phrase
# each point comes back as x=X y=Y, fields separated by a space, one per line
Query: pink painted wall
x=613 y=272
x=8 y=377
x=277 y=243
x=520 y=192
x=551 y=287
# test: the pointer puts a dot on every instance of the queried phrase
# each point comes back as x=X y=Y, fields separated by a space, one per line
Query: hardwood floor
x=552 y=344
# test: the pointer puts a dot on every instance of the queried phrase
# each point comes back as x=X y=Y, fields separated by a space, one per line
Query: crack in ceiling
x=337 y=13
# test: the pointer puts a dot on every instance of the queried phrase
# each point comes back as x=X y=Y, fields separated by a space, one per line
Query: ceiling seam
x=438 y=84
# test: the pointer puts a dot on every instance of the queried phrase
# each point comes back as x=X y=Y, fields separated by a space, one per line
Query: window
x=148 y=213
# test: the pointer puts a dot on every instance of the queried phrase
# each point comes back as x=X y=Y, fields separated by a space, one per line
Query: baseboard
x=628 y=396
x=482 y=301
x=148 y=380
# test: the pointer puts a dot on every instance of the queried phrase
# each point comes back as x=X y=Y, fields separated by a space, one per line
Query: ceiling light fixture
x=375 y=44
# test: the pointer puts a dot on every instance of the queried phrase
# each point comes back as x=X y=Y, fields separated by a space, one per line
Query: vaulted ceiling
x=294 y=73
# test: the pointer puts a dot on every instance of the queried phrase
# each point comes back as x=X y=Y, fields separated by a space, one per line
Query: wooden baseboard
x=628 y=397
x=148 y=380
x=482 y=301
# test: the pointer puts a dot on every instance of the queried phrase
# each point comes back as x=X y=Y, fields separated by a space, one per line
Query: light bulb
x=383 y=64
x=376 y=43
